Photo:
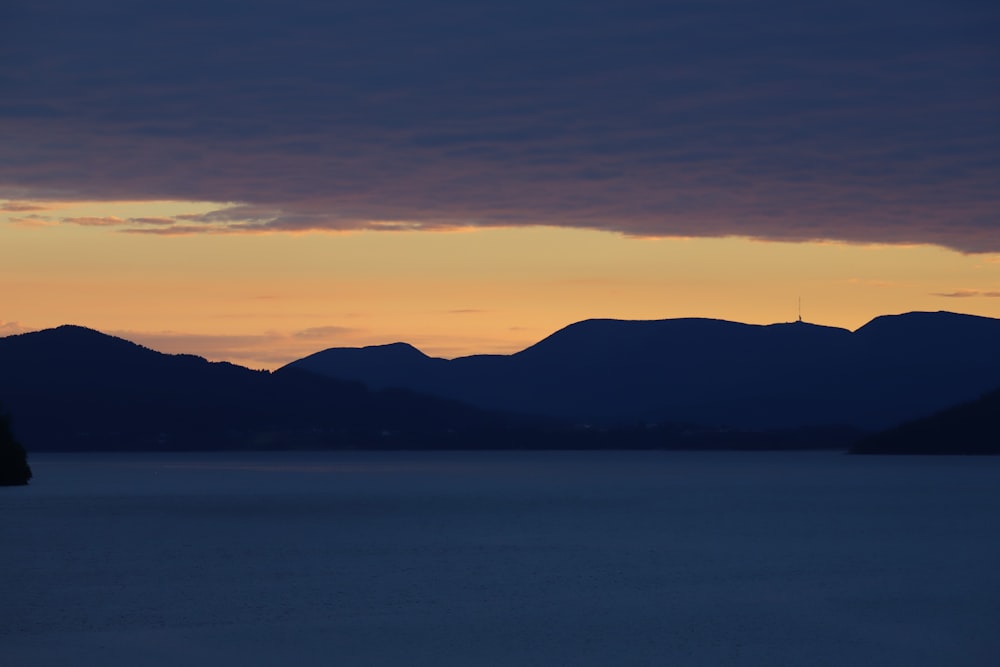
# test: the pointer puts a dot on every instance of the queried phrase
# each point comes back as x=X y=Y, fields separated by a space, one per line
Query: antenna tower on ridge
x=800 y=309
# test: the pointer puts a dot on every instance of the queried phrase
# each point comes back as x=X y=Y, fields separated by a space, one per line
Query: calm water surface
x=490 y=558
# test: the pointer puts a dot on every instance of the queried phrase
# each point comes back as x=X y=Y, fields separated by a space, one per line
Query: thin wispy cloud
x=968 y=293
x=152 y=221
x=174 y=230
x=21 y=207
x=155 y=225
x=12 y=328
x=862 y=121
x=95 y=221
x=32 y=220
x=277 y=348
x=269 y=349
x=324 y=333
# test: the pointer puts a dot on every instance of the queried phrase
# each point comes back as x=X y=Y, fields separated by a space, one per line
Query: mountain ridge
x=74 y=388
x=687 y=382
x=718 y=372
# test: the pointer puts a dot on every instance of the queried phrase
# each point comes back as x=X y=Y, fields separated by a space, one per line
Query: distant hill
x=77 y=389
x=969 y=428
x=709 y=372
x=685 y=383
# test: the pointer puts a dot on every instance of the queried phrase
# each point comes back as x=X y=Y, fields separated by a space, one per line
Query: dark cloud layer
x=863 y=121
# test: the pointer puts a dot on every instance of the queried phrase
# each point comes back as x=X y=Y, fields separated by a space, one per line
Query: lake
x=501 y=558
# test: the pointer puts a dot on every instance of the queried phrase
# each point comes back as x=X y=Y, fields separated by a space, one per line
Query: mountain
x=968 y=428
x=685 y=383
x=709 y=372
x=72 y=388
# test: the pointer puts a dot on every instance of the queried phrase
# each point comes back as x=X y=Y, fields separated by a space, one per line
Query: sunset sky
x=254 y=181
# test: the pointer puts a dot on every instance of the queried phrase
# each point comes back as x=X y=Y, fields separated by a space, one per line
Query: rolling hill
x=685 y=383
x=710 y=372
x=72 y=388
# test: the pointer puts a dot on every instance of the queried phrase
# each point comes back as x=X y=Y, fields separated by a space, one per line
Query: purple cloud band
x=868 y=121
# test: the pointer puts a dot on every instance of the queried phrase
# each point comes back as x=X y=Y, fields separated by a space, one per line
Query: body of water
x=501 y=558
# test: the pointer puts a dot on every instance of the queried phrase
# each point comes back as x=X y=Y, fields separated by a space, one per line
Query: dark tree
x=14 y=469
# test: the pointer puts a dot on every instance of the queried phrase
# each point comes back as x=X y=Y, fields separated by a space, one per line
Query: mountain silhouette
x=968 y=428
x=73 y=388
x=683 y=383
x=709 y=372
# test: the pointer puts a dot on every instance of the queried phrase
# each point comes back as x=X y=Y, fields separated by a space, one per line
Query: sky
x=254 y=181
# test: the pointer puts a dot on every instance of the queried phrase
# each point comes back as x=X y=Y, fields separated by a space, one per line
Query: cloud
x=152 y=221
x=95 y=221
x=276 y=348
x=965 y=293
x=12 y=328
x=323 y=333
x=20 y=207
x=32 y=220
x=866 y=122
x=175 y=230
x=255 y=351
x=266 y=350
x=160 y=224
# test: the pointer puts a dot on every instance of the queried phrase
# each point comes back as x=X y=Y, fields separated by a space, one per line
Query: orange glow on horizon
x=263 y=300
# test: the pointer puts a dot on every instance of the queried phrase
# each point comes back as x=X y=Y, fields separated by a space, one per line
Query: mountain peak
x=927 y=323
x=72 y=337
x=708 y=371
x=379 y=366
x=399 y=349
